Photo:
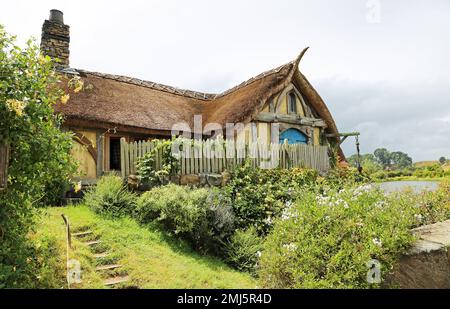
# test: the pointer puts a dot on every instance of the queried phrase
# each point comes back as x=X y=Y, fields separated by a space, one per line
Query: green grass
x=152 y=258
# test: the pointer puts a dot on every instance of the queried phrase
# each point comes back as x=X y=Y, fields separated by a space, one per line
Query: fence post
x=122 y=157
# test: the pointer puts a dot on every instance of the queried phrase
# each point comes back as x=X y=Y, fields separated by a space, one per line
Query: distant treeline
x=383 y=164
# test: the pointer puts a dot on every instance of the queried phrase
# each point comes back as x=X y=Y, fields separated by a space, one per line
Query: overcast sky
x=382 y=67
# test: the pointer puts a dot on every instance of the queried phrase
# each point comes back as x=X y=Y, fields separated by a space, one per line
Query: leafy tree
x=442 y=160
x=383 y=157
x=40 y=153
x=400 y=159
x=368 y=162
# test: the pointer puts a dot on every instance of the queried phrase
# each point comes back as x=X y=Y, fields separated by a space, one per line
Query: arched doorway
x=293 y=136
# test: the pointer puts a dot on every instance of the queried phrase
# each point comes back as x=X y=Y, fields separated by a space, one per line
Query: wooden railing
x=196 y=157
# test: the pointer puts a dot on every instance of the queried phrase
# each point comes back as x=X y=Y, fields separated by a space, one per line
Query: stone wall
x=192 y=180
x=55 y=41
x=427 y=265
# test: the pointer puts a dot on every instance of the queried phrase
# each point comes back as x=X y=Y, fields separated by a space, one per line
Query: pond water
x=417 y=186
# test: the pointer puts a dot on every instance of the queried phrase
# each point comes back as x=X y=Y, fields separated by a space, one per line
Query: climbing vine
x=155 y=174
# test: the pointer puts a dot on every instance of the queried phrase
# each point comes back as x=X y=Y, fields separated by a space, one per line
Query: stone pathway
x=106 y=262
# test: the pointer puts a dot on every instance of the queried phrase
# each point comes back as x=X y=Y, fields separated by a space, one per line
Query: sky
x=382 y=67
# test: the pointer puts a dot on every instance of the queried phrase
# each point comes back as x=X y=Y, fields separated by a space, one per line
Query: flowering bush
x=146 y=165
x=244 y=249
x=40 y=152
x=326 y=238
x=258 y=195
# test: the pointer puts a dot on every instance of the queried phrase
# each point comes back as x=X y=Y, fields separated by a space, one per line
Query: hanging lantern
x=4 y=161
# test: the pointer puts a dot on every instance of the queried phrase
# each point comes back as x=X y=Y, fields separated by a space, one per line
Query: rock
x=214 y=179
x=133 y=182
x=175 y=179
x=226 y=176
x=427 y=264
x=203 y=181
x=189 y=180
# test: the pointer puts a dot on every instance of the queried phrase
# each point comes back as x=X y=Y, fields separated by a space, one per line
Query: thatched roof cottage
x=115 y=106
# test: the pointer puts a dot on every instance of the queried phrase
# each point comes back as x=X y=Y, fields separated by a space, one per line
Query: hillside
x=150 y=258
x=420 y=164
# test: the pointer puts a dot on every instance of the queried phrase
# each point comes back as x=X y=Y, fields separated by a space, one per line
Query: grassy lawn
x=150 y=257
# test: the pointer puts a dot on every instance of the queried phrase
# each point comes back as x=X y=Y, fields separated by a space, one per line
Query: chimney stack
x=55 y=38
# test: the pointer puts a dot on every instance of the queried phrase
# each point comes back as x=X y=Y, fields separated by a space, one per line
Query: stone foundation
x=192 y=180
x=427 y=265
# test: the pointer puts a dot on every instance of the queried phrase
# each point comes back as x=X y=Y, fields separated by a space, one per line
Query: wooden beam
x=100 y=143
x=83 y=140
x=293 y=119
x=343 y=134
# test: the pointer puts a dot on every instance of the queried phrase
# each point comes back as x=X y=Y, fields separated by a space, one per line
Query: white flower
x=418 y=217
x=377 y=242
x=268 y=221
x=379 y=204
x=290 y=247
x=258 y=254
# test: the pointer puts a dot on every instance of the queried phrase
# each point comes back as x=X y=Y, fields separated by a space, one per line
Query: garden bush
x=177 y=208
x=218 y=224
x=259 y=195
x=326 y=240
x=110 y=197
x=203 y=217
x=243 y=250
x=40 y=152
x=146 y=166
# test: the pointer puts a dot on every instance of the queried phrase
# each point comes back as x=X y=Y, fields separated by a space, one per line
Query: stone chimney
x=55 y=38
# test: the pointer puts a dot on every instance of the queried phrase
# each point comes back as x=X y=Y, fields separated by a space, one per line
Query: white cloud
x=390 y=79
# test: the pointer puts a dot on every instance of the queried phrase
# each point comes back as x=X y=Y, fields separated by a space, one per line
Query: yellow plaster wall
x=282 y=108
x=316 y=136
x=87 y=168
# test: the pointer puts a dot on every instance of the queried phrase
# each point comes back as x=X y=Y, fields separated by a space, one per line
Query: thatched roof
x=135 y=105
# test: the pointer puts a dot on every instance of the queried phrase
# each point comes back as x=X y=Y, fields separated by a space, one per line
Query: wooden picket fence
x=216 y=156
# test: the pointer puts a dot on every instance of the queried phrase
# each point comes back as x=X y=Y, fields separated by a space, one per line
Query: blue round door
x=293 y=136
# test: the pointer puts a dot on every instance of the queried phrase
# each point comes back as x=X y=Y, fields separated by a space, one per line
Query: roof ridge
x=180 y=91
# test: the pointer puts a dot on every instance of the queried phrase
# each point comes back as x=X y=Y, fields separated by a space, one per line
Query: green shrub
x=431 y=206
x=146 y=166
x=40 y=151
x=259 y=195
x=177 y=208
x=325 y=240
x=110 y=197
x=216 y=226
x=243 y=250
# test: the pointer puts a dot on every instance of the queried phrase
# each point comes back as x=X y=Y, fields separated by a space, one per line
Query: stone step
x=82 y=234
x=93 y=242
x=108 y=267
x=116 y=280
x=101 y=255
